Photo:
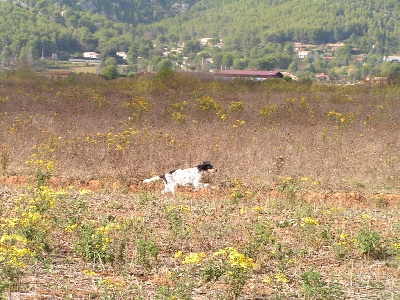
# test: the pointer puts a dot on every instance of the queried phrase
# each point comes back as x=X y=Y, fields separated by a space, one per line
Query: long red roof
x=262 y=74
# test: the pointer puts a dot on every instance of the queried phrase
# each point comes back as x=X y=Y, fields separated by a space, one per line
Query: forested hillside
x=255 y=34
x=245 y=24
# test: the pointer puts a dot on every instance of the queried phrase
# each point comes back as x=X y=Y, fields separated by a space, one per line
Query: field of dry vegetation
x=305 y=202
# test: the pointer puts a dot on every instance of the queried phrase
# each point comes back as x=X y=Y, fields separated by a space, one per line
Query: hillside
x=245 y=24
x=254 y=34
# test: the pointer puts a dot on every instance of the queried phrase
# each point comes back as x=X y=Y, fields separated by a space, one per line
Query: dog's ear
x=205 y=166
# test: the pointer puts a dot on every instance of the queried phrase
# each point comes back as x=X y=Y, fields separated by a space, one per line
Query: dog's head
x=207 y=166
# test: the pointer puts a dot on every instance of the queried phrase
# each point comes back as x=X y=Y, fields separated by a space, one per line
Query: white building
x=392 y=58
x=122 y=54
x=302 y=54
x=91 y=55
x=204 y=41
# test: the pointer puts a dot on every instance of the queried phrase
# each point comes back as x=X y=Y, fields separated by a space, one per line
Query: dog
x=184 y=177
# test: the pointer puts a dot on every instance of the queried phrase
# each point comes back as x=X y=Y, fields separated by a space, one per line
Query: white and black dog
x=184 y=177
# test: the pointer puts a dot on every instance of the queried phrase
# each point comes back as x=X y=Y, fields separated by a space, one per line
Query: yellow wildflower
x=178 y=254
x=281 y=278
x=396 y=246
x=84 y=192
x=365 y=217
x=193 y=258
x=236 y=259
x=89 y=273
x=71 y=228
x=267 y=280
x=309 y=221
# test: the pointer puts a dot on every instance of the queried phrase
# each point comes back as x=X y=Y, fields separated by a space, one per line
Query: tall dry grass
x=330 y=137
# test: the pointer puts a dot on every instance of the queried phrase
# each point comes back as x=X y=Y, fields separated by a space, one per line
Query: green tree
x=133 y=54
x=110 y=72
x=191 y=47
x=227 y=59
x=240 y=64
x=110 y=61
x=164 y=63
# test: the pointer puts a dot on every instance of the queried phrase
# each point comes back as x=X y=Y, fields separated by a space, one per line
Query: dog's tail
x=155 y=178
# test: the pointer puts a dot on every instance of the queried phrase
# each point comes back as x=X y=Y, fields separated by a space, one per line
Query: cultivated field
x=305 y=204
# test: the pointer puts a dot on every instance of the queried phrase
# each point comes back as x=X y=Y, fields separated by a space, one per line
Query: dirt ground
x=63 y=275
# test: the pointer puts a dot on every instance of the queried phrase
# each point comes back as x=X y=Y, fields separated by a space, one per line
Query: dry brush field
x=305 y=204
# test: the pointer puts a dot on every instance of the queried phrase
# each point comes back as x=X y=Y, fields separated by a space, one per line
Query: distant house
x=336 y=46
x=209 y=60
x=322 y=76
x=297 y=46
x=204 y=41
x=185 y=60
x=122 y=54
x=302 y=54
x=359 y=59
x=392 y=58
x=91 y=55
x=173 y=52
x=257 y=75
x=378 y=80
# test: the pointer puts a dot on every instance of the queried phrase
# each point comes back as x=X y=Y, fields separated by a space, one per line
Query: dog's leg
x=166 y=189
x=172 y=187
x=169 y=187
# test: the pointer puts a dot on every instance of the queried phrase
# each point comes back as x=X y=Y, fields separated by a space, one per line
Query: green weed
x=104 y=243
x=147 y=252
x=314 y=287
x=371 y=243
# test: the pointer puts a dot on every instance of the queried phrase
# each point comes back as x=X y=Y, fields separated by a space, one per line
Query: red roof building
x=248 y=73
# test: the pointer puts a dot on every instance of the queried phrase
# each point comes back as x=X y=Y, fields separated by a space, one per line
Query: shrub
x=110 y=72
x=371 y=243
